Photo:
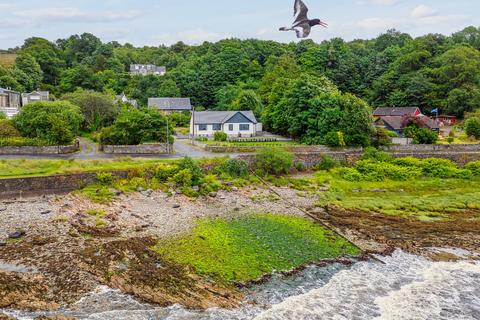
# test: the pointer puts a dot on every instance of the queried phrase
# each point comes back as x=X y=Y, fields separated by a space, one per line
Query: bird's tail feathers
x=284 y=29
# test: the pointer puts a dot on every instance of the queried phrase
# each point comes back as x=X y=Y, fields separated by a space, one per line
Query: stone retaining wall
x=153 y=148
x=28 y=186
x=46 y=150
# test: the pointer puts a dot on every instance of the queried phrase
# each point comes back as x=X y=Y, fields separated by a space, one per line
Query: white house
x=10 y=102
x=35 y=96
x=233 y=123
x=146 y=69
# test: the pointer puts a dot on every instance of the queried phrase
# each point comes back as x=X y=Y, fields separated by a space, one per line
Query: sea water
x=404 y=286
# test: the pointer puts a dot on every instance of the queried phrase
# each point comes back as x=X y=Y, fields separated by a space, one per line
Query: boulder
x=17 y=234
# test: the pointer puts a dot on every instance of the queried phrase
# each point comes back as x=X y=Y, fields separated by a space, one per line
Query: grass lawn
x=425 y=199
x=27 y=168
x=7 y=60
x=244 y=249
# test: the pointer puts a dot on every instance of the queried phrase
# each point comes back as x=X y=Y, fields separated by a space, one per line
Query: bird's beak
x=324 y=24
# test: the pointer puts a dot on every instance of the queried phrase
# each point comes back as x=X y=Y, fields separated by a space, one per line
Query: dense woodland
x=306 y=90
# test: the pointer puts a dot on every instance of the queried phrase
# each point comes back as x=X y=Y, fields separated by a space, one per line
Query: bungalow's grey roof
x=170 y=104
x=215 y=117
x=381 y=112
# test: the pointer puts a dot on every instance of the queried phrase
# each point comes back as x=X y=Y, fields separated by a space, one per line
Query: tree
x=134 y=126
x=99 y=110
x=27 y=63
x=55 y=122
x=47 y=55
x=472 y=127
x=463 y=99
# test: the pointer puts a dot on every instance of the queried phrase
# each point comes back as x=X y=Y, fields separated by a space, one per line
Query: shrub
x=23 y=142
x=235 y=168
x=357 y=140
x=133 y=127
x=274 y=161
x=183 y=178
x=327 y=163
x=220 y=136
x=421 y=135
x=450 y=139
x=56 y=122
x=7 y=130
x=164 y=172
x=375 y=154
x=104 y=178
x=474 y=167
x=472 y=127
x=334 y=139
x=3 y=116
x=189 y=164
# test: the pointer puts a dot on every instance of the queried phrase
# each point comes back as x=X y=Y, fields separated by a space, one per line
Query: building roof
x=214 y=117
x=395 y=122
x=3 y=90
x=147 y=68
x=43 y=94
x=381 y=112
x=170 y=104
x=429 y=122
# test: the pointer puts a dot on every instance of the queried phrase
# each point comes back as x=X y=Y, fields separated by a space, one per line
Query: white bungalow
x=233 y=123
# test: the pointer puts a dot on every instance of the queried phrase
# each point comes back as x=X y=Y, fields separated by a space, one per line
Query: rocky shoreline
x=54 y=250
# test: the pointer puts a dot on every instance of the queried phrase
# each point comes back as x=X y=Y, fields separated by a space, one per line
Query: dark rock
x=17 y=234
x=46 y=212
x=3 y=209
x=3 y=243
x=212 y=194
x=236 y=209
x=176 y=206
x=228 y=183
x=234 y=189
x=148 y=193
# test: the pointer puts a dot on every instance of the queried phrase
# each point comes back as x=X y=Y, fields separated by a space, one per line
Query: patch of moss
x=245 y=249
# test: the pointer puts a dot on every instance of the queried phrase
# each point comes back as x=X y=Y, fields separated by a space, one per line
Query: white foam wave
x=405 y=287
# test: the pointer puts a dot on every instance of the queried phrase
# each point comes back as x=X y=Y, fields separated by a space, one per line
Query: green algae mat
x=245 y=249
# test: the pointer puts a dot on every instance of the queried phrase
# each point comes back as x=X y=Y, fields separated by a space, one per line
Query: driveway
x=184 y=148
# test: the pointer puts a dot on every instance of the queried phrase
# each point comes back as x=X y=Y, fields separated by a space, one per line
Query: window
x=217 y=127
x=202 y=127
x=230 y=127
x=244 y=127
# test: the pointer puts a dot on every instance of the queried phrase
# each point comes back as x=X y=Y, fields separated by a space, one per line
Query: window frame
x=243 y=126
x=202 y=127
x=217 y=127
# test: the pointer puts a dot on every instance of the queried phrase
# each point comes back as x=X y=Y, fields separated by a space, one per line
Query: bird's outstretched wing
x=300 y=11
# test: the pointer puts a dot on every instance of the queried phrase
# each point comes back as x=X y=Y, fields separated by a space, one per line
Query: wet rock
x=176 y=206
x=212 y=194
x=17 y=234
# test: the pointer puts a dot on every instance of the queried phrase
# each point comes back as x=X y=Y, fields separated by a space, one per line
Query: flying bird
x=302 y=25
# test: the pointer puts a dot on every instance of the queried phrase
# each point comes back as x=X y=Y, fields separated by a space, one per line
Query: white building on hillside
x=233 y=123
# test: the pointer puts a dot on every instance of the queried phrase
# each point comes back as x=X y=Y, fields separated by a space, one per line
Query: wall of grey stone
x=18 y=187
x=153 y=148
x=47 y=150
